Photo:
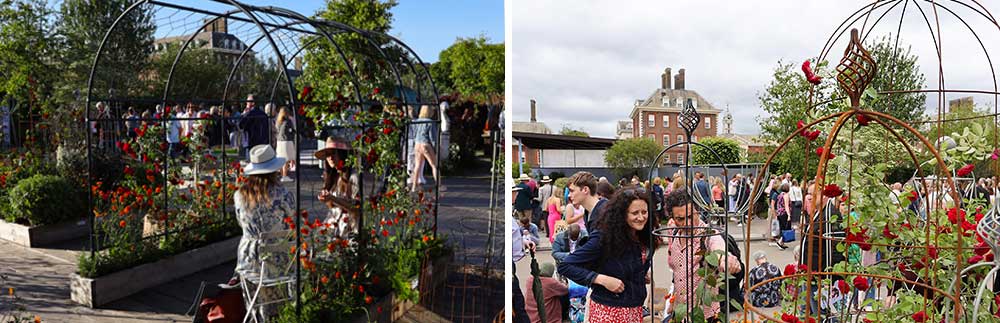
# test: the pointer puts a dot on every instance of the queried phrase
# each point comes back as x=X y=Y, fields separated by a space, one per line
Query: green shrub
x=45 y=199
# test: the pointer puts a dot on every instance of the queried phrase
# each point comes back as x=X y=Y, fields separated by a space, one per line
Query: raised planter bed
x=431 y=276
x=32 y=237
x=94 y=292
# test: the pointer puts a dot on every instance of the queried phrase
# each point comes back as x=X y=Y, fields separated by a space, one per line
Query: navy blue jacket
x=257 y=126
x=626 y=266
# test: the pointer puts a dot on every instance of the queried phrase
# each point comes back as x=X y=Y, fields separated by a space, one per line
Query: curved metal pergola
x=282 y=36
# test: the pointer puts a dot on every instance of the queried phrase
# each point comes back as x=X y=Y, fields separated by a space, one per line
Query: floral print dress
x=262 y=218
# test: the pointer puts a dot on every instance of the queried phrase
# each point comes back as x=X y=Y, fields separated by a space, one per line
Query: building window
x=652 y=120
x=694 y=138
x=666 y=121
x=673 y=102
x=666 y=158
x=664 y=100
x=680 y=138
x=652 y=137
x=666 y=140
x=708 y=122
x=539 y=157
x=680 y=158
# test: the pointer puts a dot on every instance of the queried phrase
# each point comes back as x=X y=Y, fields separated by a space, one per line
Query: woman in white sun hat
x=261 y=204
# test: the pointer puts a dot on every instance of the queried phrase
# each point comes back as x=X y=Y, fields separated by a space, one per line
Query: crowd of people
x=266 y=144
x=602 y=242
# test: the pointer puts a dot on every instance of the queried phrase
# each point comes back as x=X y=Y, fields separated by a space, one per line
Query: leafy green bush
x=45 y=199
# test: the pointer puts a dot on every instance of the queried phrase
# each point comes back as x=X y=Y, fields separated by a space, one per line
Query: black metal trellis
x=276 y=26
x=689 y=120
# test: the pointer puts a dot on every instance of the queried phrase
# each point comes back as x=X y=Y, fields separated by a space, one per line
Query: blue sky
x=427 y=26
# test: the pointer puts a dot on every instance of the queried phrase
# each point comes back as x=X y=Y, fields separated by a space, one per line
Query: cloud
x=586 y=62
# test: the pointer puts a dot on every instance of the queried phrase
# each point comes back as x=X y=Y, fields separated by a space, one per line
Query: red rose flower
x=376 y=91
x=305 y=92
x=863 y=119
x=907 y=226
x=810 y=76
x=789 y=269
x=919 y=317
x=385 y=233
x=832 y=191
x=913 y=196
x=803 y=268
x=789 y=318
x=975 y=259
x=965 y=170
x=981 y=249
x=989 y=257
x=932 y=251
x=888 y=233
x=813 y=135
x=368 y=299
x=829 y=155
x=799 y=125
x=967 y=226
x=861 y=283
x=955 y=215
x=842 y=286
x=387 y=131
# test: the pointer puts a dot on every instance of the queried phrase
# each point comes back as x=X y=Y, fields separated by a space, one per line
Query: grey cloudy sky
x=586 y=62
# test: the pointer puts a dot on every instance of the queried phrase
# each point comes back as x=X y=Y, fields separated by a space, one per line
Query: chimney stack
x=665 y=79
x=679 y=79
x=533 y=110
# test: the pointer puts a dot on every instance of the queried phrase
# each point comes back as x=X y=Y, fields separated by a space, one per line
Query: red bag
x=225 y=307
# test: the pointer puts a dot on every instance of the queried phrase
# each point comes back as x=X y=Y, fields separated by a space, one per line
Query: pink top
x=685 y=269
x=553 y=209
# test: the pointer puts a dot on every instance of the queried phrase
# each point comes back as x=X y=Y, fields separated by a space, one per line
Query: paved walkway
x=40 y=275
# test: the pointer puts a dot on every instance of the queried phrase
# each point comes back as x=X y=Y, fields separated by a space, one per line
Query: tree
x=515 y=171
x=567 y=131
x=786 y=100
x=897 y=70
x=198 y=75
x=81 y=28
x=472 y=67
x=728 y=149
x=629 y=156
x=26 y=51
x=329 y=75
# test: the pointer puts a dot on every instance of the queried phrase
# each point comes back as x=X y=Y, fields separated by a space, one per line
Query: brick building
x=656 y=116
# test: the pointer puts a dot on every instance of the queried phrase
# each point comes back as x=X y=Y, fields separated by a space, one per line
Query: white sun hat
x=263 y=161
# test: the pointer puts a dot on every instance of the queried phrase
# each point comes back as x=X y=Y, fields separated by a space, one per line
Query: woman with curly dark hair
x=615 y=261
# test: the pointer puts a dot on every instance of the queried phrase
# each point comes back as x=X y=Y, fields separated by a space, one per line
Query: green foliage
x=81 y=27
x=45 y=199
x=472 y=67
x=567 y=131
x=727 y=149
x=26 y=50
x=200 y=73
x=897 y=70
x=629 y=156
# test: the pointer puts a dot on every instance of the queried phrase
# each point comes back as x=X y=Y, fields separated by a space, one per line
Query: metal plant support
x=274 y=33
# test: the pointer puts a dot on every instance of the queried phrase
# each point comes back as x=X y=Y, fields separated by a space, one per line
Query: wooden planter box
x=94 y=292
x=32 y=237
x=433 y=275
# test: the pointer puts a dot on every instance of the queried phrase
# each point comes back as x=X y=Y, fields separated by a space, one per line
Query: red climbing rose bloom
x=810 y=76
x=965 y=170
x=912 y=196
x=305 y=92
x=861 y=283
x=932 y=251
x=789 y=318
x=955 y=215
x=842 y=285
x=975 y=259
x=863 y=119
x=789 y=269
x=832 y=190
x=888 y=233
x=829 y=155
x=919 y=317
x=813 y=135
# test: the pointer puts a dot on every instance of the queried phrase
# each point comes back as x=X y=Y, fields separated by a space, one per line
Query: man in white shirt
x=174 y=130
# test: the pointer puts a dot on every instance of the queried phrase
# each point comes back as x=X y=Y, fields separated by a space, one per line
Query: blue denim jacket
x=627 y=266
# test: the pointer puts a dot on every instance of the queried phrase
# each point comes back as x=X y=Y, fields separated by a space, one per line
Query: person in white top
x=173 y=138
x=795 y=197
x=733 y=184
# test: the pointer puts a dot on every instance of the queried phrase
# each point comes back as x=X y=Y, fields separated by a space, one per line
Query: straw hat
x=546 y=179
x=263 y=161
x=332 y=145
x=524 y=177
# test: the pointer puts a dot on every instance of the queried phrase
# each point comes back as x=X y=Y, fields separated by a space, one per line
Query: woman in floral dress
x=619 y=250
x=262 y=205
